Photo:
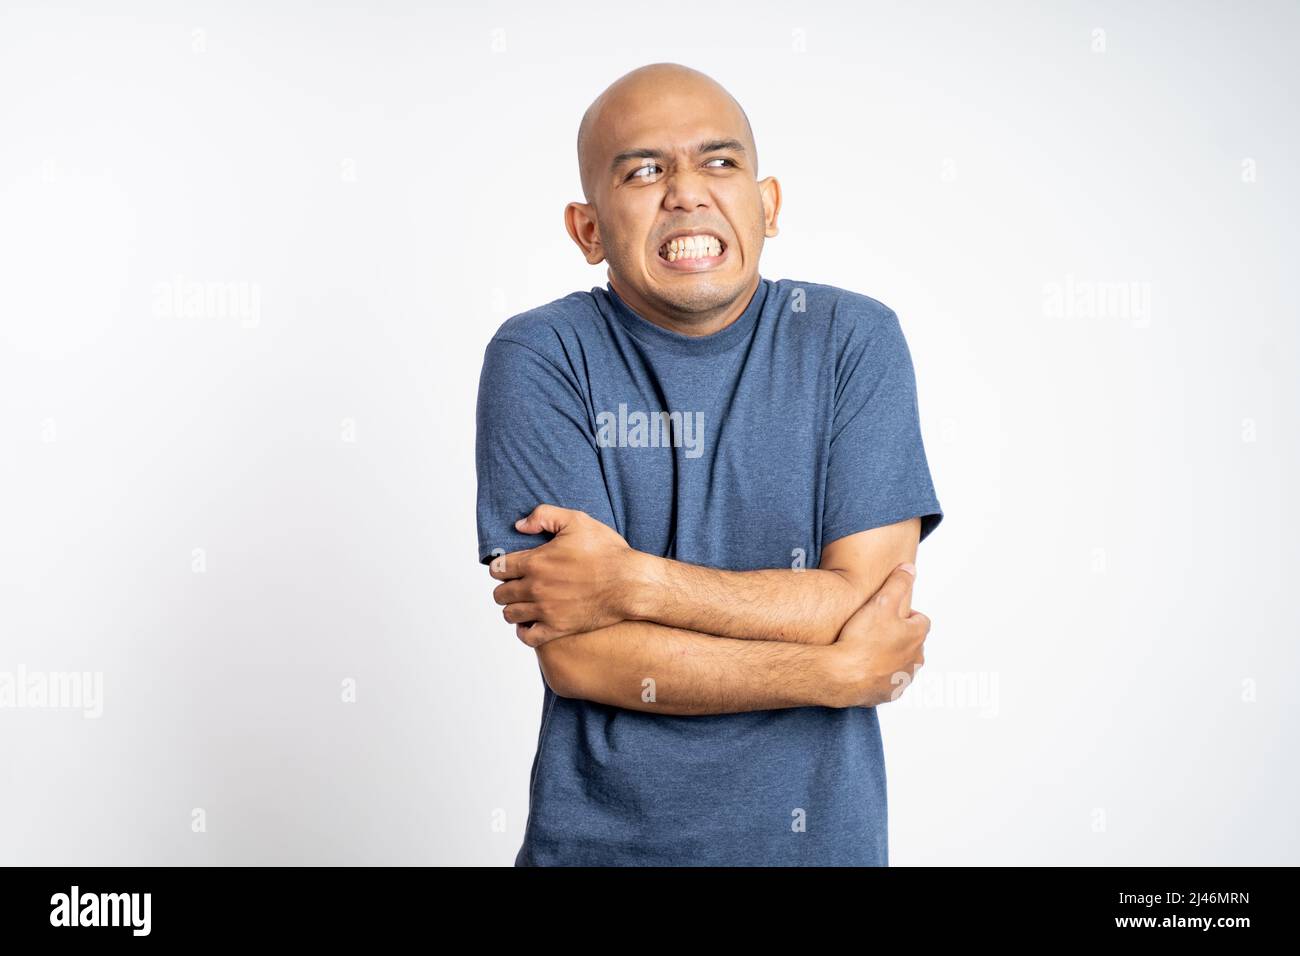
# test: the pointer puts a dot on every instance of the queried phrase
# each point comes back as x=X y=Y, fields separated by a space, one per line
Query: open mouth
x=702 y=247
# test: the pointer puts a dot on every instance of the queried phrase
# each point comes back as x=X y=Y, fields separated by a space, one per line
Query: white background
x=1117 y=556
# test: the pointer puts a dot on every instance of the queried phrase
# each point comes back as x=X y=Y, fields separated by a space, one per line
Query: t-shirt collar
x=651 y=334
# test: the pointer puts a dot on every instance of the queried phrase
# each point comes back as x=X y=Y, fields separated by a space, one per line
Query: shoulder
x=849 y=320
x=546 y=346
x=553 y=330
x=830 y=304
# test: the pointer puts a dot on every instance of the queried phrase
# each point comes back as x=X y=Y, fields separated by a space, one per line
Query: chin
x=701 y=295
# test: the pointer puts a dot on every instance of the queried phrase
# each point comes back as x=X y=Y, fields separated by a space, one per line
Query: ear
x=580 y=221
x=770 y=190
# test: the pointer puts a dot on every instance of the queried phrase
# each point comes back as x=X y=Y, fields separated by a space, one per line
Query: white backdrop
x=250 y=258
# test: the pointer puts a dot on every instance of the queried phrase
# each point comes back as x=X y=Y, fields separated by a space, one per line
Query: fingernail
x=909 y=567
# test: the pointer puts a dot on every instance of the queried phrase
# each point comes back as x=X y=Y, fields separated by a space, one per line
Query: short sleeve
x=533 y=445
x=877 y=473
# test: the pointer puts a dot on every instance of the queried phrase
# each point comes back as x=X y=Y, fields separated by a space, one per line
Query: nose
x=686 y=190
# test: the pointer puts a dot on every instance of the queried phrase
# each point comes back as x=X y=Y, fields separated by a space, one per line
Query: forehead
x=671 y=120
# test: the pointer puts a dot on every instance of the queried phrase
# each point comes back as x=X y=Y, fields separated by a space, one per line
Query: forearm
x=804 y=607
x=587 y=577
x=645 y=666
x=807 y=606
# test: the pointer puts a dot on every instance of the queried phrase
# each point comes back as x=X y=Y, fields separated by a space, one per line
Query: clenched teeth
x=691 y=247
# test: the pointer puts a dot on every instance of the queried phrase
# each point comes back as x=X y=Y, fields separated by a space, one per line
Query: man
x=702 y=492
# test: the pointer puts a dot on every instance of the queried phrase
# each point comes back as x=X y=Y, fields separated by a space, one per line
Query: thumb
x=896 y=593
x=545 y=518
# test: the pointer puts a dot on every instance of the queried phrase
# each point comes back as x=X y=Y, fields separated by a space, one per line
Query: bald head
x=614 y=113
x=673 y=202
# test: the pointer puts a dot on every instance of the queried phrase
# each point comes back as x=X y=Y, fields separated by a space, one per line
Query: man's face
x=678 y=165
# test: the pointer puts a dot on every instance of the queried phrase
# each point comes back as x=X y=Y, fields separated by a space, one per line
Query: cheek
x=621 y=249
x=630 y=254
x=620 y=255
x=746 y=219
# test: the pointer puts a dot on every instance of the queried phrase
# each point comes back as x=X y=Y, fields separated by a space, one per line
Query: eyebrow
x=708 y=146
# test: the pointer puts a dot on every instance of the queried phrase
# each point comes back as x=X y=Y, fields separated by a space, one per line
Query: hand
x=578 y=581
x=882 y=645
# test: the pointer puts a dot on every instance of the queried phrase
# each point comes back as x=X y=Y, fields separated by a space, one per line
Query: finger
x=507 y=567
x=534 y=635
x=897 y=589
x=512 y=592
x=905 y=605
x=920 y=623
x=520 y=613
x=546 y=518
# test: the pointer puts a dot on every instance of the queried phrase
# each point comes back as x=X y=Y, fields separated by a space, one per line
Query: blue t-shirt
x=753 y=447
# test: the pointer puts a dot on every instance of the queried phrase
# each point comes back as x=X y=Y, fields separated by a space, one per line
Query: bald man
x=702 y=492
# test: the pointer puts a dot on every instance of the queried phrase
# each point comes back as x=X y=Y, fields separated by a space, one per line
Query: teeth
x=692 y=247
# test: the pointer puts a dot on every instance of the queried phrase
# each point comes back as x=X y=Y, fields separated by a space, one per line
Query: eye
x=721 y=159
x=636 y=173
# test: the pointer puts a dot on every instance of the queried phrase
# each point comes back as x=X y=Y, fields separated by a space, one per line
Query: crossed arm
x=621 y=627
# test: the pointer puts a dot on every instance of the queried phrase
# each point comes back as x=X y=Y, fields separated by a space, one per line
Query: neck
x=696 y=324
